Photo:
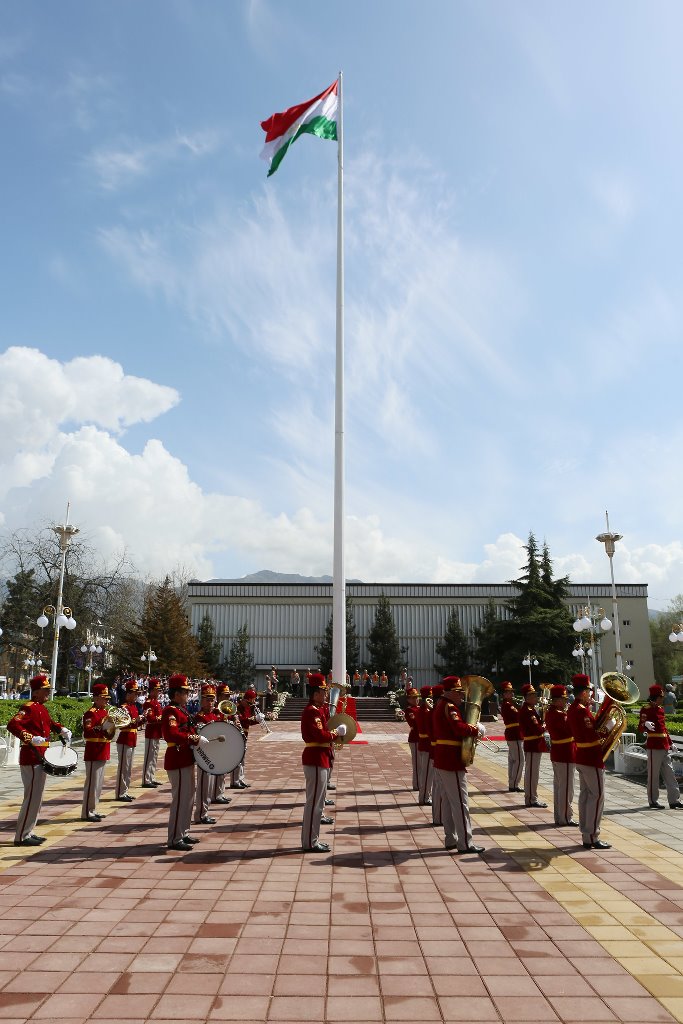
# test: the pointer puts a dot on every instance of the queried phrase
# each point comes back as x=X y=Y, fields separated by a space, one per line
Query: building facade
x=287 y=620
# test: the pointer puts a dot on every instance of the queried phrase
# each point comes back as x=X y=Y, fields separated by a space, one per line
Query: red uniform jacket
x=151 y=712
x=316 y=737
x=510 y=713
x=175 y=729
x=424 y=733
x=449 y=732
x=204 y=717
x=588 y=742
x=96 y=743
x=561 y=735
x=659 y=739
x=32 y=719
x=128 y=736
x=246 y=717
x=411 y=719
x=532 y=730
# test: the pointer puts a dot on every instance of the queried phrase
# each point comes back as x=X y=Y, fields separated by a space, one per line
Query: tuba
x=620 y=691
x=477 y=688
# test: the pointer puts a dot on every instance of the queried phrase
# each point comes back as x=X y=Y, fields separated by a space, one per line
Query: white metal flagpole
x=339 y=577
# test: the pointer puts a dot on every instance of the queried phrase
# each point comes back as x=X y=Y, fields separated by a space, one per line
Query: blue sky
x=514 y=310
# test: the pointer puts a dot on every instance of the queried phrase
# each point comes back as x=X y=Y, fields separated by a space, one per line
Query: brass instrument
x=544 y=702
x=119 y=719
x=351 y=729
x=226 y=707
x=620 y=692
x=477 y=688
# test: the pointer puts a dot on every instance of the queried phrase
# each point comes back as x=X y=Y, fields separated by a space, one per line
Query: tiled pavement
x=101 y=924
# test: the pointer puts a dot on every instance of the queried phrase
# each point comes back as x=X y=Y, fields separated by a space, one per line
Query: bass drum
x=225 y=750
x=60 y=760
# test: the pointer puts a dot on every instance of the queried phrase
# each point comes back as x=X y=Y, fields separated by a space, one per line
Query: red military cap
x=437 y=691
x=39 y=683
x=425 y=691
x=154 y=684
x=223 y=688
x=558 y=691
x=208 y=691
x=581 y=682
x=131 y=686
x=250 y=695
x=412 y=692
x=178 y=682
x=528 y=688
x=656 y=691
x=451 y=683
x=316 y=681
x=100 y=690
x=507 y=686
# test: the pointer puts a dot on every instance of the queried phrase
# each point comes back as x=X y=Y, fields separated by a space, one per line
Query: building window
x=626 y=622
x=628 y=646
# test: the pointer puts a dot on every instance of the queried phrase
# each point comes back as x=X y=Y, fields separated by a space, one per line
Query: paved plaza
x=102 y=924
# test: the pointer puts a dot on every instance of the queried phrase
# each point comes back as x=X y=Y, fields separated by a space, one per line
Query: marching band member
x=437 y=790
x=589 y=764
x=513 y=737
x=424 y=762
x=32 y=725
x=126 y=742
x=98 y=730
x=315 y=759
x=653 y=724
x=151 y=712
x=222 y=693
x=179 y=763
x=449 y=731
x=326 y=714
x=412 y=698
x=534 y=746
x=205 y=782
x=246 y=718
x=562 y=756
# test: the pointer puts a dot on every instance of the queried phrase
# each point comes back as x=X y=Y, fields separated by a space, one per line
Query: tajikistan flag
x=315 y=117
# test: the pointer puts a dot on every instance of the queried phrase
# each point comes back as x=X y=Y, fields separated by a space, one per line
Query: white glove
x=340 y=730
x=38 y=741
x=481 y=729
x=546 y=737
x=204 y=741
x=649 y=727
x=107 y=723
x=66 y=734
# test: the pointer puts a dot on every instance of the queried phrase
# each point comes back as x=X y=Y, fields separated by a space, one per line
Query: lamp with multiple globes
x=528 y=661
x=149 y=656
x=676 y=634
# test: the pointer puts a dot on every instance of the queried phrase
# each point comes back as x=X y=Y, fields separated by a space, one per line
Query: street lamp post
x=530 y=660
x=594 y=622
x=62 y=616
x=610 y=539
x=90 y=649
x=149 y=656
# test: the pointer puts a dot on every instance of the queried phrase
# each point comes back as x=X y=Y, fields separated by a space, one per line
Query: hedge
x=66 y=710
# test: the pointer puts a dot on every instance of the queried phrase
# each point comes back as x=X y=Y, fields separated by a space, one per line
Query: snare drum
x=225 y=750
x=61 y=760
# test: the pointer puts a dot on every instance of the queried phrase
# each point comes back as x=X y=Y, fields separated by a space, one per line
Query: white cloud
x=116 y=167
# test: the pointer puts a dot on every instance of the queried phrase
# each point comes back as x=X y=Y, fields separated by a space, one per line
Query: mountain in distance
x=268 y=576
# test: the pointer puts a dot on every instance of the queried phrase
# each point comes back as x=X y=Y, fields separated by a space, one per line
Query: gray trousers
x=563 y=791
x=437 y=798
x=413 y=759
x=425 y=772
x=316 y=787
x=34 y=778
x=515 y=763
x=456 y=809
x=182 y=797
x=659 y=764
x=203 y=795
x=219 y=786
x=125 y=770
x=532 y=766
x=149 y=765
x=591 y=801
x=237 y=774
x=92 y=787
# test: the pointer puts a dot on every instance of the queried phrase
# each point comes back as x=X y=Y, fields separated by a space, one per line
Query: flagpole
x=339 y=577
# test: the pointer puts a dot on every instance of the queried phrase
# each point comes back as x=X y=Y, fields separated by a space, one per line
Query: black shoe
x=599 y=845
x=331 y=785
x=192 y=840
x=451 y=846
x=29 y=841
x=473 y=849
x=657 y=807
x=222 y=800
x=317 y=848
x=206 y=820
x=125 y=799
x=572 y=822
x=148 y=785
x=536 y=803
x=516 y=789
x=92 y=817
x=239 y=785
x=425 y=803
x=326 y=821
x=157 y=784
x=329 y=803
x=182 y=845
x=677 y=806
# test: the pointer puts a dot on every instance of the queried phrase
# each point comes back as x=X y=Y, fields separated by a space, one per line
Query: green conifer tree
x=384 y=650
x=453 y=649
x=209 y=645
x=324 y=648
x=239 y=667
